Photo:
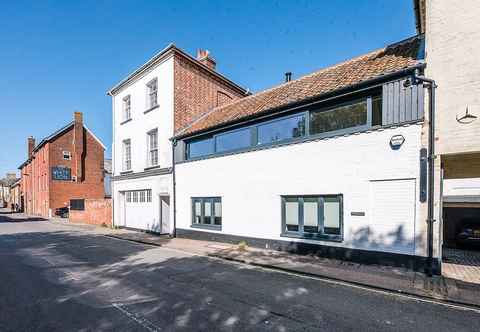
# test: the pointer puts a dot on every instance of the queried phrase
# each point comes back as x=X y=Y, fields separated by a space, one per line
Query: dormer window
x=67 y=155
x=152 y=93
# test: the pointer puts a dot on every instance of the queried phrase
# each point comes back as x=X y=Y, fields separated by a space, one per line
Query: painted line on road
x=142 y=321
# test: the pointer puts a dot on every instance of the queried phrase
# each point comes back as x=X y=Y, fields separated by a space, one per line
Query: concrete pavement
x=61 y=278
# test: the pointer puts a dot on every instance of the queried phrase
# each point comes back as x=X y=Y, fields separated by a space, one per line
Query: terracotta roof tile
x=374 y=64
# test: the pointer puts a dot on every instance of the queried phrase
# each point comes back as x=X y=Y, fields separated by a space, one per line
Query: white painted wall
x=452 y=53
x=136 y=130
x=251 y=184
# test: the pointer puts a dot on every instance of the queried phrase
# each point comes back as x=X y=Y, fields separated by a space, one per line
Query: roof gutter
x=367 y=84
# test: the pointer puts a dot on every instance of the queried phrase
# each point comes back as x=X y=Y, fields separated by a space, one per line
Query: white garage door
x=393 y=215
x=139 y=211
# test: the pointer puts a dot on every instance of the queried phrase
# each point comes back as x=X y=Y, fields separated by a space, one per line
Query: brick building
x=160 y=97
x=68 y=164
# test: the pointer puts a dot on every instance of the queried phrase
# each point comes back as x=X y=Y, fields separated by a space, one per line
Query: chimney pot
x=288 y=76
x=204 y=57
x=78 y=117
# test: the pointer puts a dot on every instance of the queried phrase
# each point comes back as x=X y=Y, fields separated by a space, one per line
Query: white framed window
x=126 y=108
x=149 y=195
x=127 y=155
x=129 y=196
x=141 y=194
x=152 y=93
x=67 y=155
x=135 y=196
x=152 y=147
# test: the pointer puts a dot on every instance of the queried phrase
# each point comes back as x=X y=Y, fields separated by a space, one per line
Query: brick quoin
x=41 y=193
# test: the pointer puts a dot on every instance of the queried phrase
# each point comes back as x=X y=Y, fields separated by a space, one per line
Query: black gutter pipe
x=174 y=190
x=431 y=85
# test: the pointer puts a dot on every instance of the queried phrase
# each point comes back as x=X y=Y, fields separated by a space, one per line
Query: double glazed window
x=152 y=143
x=348 y=116
x=234 y=140
x=152 y=93
x=356 y=115
x=312 y=216
x=127 y=155
x=207 y=212
x=280 y=130
x=126 y=108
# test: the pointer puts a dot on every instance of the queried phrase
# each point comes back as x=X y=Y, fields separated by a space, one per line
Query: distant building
x=15 y=194
x=68 y=164
x=107 y=179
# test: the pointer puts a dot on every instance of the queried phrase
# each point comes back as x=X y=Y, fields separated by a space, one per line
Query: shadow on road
x=17 y=217
x=54 y=280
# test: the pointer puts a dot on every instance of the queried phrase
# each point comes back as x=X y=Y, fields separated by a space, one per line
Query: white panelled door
x=392 y=223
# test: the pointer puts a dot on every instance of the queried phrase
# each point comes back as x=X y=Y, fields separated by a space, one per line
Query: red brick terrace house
x=68 y=164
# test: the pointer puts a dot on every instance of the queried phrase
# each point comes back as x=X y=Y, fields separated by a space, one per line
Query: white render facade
x=167 y=92
x=142 y=191
x=379 y=186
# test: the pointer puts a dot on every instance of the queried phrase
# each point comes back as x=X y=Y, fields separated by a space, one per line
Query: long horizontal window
x=138 y=196
x=199 y=148
x=280 y=130
x=234 y=140
x=207 y=212
x=359 y=114
x=343 y=117
x=312 y=216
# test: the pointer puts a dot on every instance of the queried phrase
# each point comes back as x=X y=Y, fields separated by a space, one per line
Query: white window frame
x=152 y=147
x=127 y=107
x=127 y=155
x=152 y=93
x=68 y=154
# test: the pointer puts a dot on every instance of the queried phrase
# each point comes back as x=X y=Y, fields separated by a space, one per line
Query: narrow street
x=60 y=278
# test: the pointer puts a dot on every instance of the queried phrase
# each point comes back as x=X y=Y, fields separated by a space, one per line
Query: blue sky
x=60 y=56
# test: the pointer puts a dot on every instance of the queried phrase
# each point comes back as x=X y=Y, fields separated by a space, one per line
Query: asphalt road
x=58 y=278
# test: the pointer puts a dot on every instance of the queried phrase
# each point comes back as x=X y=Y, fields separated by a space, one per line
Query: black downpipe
x=431 y=85
x=174 y=190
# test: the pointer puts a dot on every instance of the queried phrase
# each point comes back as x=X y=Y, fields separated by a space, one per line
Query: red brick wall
x=41 y=193
x=197 y=91
x=97 y=212
x=61 y=192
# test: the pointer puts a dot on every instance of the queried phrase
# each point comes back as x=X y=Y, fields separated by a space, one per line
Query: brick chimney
x=78 y=142
x=205 y=58
x=31 y=145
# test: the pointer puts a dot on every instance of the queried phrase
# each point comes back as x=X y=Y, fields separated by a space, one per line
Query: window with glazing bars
x=152 y=93
x=153 y=147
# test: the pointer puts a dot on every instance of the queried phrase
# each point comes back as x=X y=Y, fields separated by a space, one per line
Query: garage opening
x=461 y=229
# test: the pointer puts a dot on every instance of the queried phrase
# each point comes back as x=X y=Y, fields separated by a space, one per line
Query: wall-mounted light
x=466 y=118
x=396 y=141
